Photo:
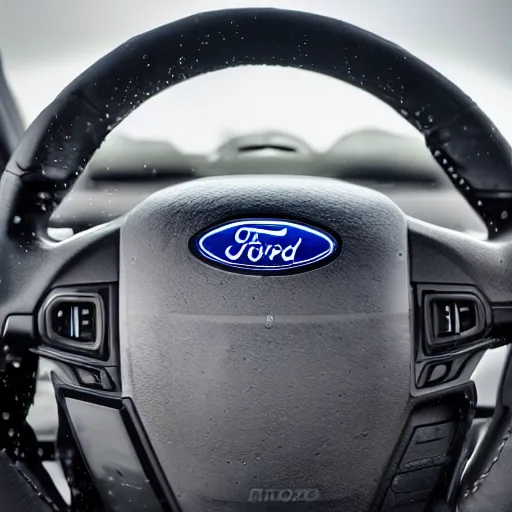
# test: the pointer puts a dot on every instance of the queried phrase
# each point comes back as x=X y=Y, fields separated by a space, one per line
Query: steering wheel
x=262 y=342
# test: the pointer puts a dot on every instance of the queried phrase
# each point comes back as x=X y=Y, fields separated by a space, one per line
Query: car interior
x=264 y=326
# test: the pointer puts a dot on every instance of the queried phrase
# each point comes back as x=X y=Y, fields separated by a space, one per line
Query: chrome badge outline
x=245 y=244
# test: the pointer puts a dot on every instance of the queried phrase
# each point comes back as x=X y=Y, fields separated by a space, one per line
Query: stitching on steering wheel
x=478 y=483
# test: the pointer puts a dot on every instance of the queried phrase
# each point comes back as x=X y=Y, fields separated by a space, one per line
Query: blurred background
x=206 y=125
x=46 y=43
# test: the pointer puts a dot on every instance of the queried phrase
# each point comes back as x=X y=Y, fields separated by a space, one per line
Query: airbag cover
x=251 y=386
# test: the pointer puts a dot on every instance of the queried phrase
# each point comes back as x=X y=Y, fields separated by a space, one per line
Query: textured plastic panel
x=117 y=471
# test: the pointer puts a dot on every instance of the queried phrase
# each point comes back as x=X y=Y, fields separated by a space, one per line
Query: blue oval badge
x=266 y=245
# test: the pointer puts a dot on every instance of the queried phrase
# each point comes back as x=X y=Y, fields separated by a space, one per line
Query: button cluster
x=452 y=319
x=421 y=468
x=74 y=320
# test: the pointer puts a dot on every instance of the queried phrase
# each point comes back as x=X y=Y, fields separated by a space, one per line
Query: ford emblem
x=266 y=246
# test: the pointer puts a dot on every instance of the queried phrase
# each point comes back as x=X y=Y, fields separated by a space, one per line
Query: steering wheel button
x=74 y=319
x=467 y=314
x=416 y=481
x=433 y=433
x=452 y=319
x=444 y=318
x=437 y=373
x=89 y=378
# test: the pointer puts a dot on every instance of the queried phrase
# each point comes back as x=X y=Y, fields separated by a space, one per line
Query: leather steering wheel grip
x=59 y=144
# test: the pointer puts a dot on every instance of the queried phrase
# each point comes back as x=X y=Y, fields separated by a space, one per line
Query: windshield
x=201 y=114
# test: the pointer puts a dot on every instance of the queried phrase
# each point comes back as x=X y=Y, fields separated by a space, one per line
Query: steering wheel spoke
x=34 y=268
x=461 y=302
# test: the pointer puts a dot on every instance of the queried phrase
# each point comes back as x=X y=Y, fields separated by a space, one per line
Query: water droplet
x=269 y=321
x=16 y=364
x=11 y=432
x=5 y=416
x=17 y=219
x=504 y=214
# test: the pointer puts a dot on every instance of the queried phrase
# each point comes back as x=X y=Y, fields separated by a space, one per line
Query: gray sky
x=46 y=43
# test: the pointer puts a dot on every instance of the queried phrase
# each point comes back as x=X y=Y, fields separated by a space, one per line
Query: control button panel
x=422 y=467
x=73 y=319
x=452 y=319
x=429 y=445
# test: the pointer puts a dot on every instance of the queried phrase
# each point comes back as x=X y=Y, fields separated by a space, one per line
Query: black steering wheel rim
x=59 y=144
x=61 y=141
